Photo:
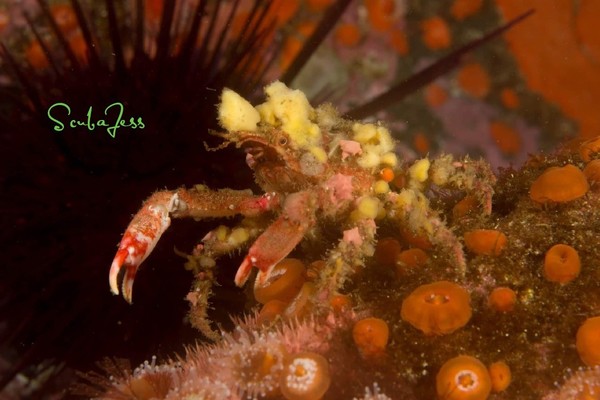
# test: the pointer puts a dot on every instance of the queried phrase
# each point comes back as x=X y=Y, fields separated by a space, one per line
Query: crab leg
x=280 y=238
x=343 y=261
x=154 y=218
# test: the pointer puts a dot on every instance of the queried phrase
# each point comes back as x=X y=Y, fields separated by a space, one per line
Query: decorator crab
x=316 y=169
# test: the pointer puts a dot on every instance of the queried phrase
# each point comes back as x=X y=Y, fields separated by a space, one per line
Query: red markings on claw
x=279 y=239
x=139 y=240
x=133 y=250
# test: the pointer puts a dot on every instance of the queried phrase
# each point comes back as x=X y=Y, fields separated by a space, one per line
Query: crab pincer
x=139 y=240
x=280 y=238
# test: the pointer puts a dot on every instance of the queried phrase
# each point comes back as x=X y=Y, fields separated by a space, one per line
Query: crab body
x=313 y=166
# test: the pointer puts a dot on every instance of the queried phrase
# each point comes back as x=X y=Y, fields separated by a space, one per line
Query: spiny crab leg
x=279 y=239
x=153 y=219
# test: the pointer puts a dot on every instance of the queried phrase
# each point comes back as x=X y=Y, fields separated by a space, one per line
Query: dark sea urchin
x=66 y=192
x=61 y=189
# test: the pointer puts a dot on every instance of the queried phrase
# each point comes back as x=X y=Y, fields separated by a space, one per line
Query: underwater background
x=523 y=102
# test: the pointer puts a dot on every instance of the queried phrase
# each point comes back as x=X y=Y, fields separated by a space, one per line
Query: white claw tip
x=112 y=278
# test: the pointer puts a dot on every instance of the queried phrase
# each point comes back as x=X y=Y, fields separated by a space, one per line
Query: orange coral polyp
x=438 y=308
x=589 y=148
x=399 y=42
x=410 y=259
x=463 y=378
x=283 y=284
x=435 y=95
x=500 y=375
x=561 y=263
x=462 y=9
x=488 y=242
x=588 y=341
x=305 y=377
x=559 y=185
x=387 y=251
x=380 y=14
x=340 y=303
x=270 y=311
x=592 y=172
x=506 y=138
x=474 y=80
x=348 y=34
x=464 y=207
x=421 y=143
x=509 y=98
x=502 y=299
x=371 y=336
x=436 y=34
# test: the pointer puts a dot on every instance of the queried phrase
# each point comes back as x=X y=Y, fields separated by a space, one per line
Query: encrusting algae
x=347 y=313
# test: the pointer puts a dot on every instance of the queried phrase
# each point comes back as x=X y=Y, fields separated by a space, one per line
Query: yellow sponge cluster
x=377 y=145
x=285 y=108
x=419 y=171
x=290 y=110
x=368 y=208
x=234 y=237
x=415 y=206
x=236 y=113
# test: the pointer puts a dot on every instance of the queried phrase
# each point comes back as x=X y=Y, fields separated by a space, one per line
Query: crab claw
x=139 y=240
x=279 y=239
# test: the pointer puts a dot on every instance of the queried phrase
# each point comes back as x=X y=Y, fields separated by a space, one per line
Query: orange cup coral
x=439 y=308
x=410 y=259
x=270 y=311
x=283 y=284
x=588 y=341
x=502 y=299
x=474 y=80
x=436 y=33
x=500 y=375
x=305 y=377
x=559 y=185
x=371 y=336
x=462 y=9
x=463 y=378
x=340 y=302
x=387 y=251
x=380 y=14
x=506 y=138
x=561 y=263
x=509 y=98
x=592 y=172
x=435 y=95
x=465 y=207
x=489 y=242
x=589 y=149
x=348 y=34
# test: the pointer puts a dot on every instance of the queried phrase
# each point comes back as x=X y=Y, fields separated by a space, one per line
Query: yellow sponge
x=236 y=113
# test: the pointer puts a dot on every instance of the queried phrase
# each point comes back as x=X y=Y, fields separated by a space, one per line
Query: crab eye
x=282 y=141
